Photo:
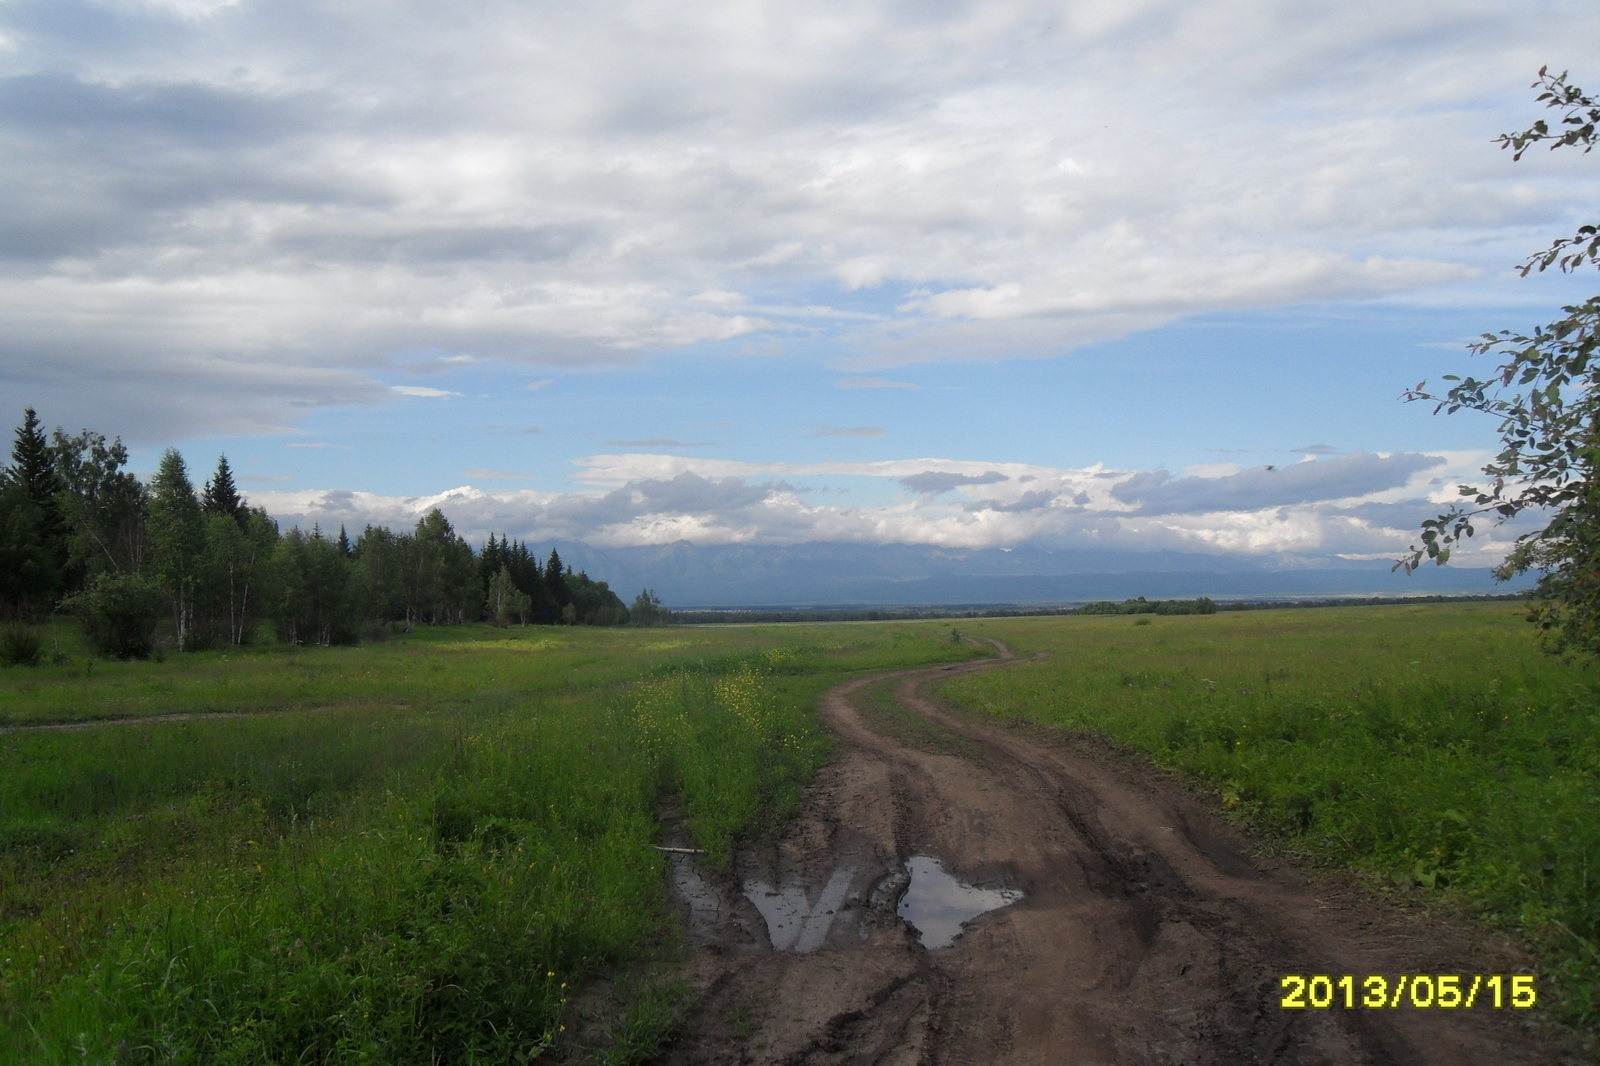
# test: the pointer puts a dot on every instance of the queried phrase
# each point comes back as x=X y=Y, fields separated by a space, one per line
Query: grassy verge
x=877 y=704
x=420 y=870
x=1432 y=745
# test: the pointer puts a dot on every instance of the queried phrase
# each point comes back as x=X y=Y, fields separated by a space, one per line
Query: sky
x=1140 y=275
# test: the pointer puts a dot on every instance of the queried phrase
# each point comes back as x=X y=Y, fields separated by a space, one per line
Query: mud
x=1133 y=925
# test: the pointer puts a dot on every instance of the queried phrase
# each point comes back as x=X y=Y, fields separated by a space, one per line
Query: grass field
x=402 y=852
x=416 y=851
x=1432 y=745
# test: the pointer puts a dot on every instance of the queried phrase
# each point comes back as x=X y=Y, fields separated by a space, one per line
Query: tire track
x=1148 y=932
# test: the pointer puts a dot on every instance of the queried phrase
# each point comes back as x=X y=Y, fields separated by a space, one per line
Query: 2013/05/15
x=1446 y=991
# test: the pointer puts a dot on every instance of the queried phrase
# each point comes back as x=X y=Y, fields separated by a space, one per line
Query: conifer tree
x=556 y=581
x=32 y=534
x=221 y=497
x=30 y=461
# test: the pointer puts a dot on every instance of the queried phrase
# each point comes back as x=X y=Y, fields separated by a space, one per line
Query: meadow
x=407 y=852
x=1433 y=747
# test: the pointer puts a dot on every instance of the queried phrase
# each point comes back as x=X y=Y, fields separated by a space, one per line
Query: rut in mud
x=1118 y=920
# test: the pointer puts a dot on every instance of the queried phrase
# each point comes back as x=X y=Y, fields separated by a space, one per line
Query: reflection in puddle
x=937 y=905
x=792 y=922
x=705 y=904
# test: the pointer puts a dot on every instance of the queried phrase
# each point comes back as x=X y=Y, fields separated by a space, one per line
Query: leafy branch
x=1545 y=395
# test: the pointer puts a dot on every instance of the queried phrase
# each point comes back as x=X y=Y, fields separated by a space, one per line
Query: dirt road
x=1145 y=931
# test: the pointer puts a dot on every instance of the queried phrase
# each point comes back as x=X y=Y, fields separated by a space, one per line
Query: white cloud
x=422 y=391
x=267 y=202
x=1369 y=507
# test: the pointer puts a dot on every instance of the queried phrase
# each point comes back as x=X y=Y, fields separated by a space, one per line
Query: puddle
x=937 y=905
x=793 y=923
x=704 y=901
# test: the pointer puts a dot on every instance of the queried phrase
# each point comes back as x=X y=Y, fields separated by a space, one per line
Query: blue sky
x=637 y=273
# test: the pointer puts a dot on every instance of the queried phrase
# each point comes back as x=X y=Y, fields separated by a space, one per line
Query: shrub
x=120 y=613
x=19 y=645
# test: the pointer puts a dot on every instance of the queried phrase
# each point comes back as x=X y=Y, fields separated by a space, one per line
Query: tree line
x=82 y=534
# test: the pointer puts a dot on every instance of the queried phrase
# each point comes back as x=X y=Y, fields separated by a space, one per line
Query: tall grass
x=414 y=881
x=1433 y=745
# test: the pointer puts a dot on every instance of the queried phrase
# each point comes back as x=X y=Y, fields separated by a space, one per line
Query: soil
x=1148 y=930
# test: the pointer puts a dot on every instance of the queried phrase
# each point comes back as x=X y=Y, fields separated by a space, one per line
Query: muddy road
x=1123 y=921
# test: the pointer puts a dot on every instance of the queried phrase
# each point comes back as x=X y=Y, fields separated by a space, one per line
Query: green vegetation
x=1468 y=763
x=408 y=852
x=887 y=717
x=80 y=534
x=1549 y=457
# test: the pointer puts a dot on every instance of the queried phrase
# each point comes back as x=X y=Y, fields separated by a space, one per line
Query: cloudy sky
x=1145 y=274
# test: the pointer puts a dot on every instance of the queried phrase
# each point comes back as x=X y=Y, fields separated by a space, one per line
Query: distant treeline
x=79 y=533
x=1103 y=607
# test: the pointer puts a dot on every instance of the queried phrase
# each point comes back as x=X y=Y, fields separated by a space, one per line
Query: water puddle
x=793 y=923
x=703 y=899
x=937 y=905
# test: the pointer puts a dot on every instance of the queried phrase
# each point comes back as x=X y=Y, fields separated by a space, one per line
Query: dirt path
x=1146 y=933
x=149 y=719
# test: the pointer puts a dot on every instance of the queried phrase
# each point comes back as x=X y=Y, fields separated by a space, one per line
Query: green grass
x=1432 y=745
x=885 y=715
x=407 y=852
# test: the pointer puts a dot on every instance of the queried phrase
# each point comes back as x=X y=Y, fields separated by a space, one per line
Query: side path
x=1147 y=932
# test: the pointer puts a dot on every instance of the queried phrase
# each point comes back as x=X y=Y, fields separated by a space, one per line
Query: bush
x=19 y=645
x=120 y=613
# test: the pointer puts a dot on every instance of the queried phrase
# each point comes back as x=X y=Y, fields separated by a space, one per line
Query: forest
x=81 y=534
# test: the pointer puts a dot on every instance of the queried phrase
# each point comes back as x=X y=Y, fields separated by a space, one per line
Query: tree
x=220 y=497
x=233 y=570
x=102 y=506
x=1547 y=398
x=177 y=539
x=506 y=601
x=30 y=572
x=314 y=604
x=647 y=609
x=556 y=581
x=32 y=542
x=30 y=461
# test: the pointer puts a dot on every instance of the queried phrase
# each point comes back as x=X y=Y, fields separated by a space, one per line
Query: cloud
x=711 y=501
x=1317 y=449
x=1156 y=492
x=535 y=386
x=222 y=215
x=1028 y=501
x=874 y=383
x=933 y=482
x=662 y=442
x=266 y=477
x=846 y=431
x=495 y=475
x=422 y=391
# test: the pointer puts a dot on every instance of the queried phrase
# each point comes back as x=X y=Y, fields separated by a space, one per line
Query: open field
x=1433 y=745
x=418 y=851
x=407 y=852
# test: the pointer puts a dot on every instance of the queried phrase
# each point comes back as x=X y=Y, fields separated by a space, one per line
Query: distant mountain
x=834 y=574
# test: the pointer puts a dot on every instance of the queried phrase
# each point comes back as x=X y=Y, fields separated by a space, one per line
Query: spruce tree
x=33 y=541
x=30 y=461
x=555 y=579
x=221 y=497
